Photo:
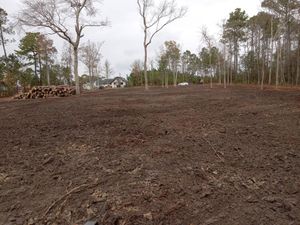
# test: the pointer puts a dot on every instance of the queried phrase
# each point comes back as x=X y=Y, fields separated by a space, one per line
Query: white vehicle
x=183 y=84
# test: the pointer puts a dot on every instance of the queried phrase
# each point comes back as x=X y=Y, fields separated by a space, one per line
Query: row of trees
x=261 y=49
x=59 y=16
x=264 y=48
x=36 y=52
x=174 y=66
x=33 y=64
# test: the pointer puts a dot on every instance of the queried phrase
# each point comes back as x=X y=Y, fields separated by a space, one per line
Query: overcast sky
x=123 y=39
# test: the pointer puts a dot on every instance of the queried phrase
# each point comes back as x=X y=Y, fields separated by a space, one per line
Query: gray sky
x=123 y=39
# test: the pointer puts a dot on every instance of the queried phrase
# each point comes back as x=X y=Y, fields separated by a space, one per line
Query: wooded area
x=36 y=51
x=261 y=49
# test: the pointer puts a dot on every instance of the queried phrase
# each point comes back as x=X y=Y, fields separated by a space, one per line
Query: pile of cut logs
x=46 y=92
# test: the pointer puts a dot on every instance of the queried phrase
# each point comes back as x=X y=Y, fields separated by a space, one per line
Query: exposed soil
x=182 y=156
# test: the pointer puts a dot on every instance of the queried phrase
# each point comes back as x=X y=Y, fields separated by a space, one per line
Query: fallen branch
x=213 y=148
x=238 y=151
x=74 y=190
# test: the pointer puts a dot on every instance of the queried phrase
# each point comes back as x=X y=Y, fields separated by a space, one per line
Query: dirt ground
x=182 y=156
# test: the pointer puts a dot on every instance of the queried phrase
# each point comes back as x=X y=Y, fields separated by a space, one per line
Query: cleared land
x=178 y=156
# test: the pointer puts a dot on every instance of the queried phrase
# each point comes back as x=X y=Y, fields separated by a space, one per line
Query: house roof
x=110 y=81
x=106 y=81
x=121 y=78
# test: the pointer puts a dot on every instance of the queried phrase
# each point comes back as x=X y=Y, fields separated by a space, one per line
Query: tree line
x=34 y=62
x=262 y=49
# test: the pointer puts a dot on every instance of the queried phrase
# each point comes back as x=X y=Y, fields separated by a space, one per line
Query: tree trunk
x=236 y=52
x=225 y=79
x=90 y=77
x=288 y=53
x=229 y=70
x=235 y=58
x=167 y=80
x=145 y=67
x=298 y=64
x=271 y=53
x=258 y=58
x=211 y=70
x=176 y=76
x=219 y=71
x=271 y=63
x=35 y=65
x=278 y=62
x=70 y=64
x=263 y=67
x=298 y=69
x=249 y=67
x=3 y=42
x=93 y=77
x=40 y=68
x=163 y=78
x=47 y=71
x=75 y=49
x=230 y=66
x=282 y=61
x=252 y=66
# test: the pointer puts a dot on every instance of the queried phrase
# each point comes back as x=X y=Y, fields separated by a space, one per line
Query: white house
x=117 y=82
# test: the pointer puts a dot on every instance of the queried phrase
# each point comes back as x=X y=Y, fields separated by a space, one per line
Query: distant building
x=117 y=82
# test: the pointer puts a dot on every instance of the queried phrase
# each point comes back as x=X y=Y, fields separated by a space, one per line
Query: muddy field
x=182 y=156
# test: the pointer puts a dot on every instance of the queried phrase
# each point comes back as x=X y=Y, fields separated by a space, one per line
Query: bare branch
x=155 y=19
x=55 y=15
x=158 y=29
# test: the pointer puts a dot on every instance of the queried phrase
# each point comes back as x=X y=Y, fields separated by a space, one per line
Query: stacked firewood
x=46 y=92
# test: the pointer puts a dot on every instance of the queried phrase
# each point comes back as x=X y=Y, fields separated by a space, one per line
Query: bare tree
x=66 y=60
x=3 y=20
x=5 y=29
x=223 y=43
x=91 y=56
x=209 y=42
x=155 y=18
x=271 y=50
x=278 y=61
x=56 y=16
x=172 y=52
x=108 y=69
x=224 y=65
